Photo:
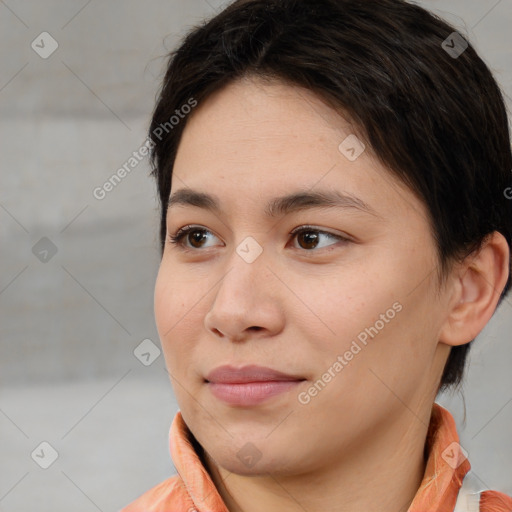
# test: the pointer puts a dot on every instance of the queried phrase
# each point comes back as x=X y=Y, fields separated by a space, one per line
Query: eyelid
x=305 y=227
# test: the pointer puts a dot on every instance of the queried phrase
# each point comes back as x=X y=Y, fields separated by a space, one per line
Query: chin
x=260 y=468
x=251 y=461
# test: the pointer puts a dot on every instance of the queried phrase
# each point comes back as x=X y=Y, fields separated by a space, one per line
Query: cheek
x=170 y=314
x=346 y=303
x=179 y=304
x=163 y=299
x=173 y=300
x=368 y=314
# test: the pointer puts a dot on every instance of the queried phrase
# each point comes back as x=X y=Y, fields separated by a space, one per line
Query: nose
x=246 y=302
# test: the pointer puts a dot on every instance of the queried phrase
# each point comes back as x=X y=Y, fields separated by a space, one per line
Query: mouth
x=251 y=393
x=249 y=385
x=228 y=374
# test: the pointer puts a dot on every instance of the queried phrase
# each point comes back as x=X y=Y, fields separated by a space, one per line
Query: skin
x=358 y=444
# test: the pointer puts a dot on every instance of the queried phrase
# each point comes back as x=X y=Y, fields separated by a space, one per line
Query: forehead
x=251 y=113
x=253 y=140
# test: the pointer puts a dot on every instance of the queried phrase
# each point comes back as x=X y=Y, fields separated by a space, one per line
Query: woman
x=335 y=232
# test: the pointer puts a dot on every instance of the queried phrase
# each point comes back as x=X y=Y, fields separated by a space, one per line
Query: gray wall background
x=71 y=321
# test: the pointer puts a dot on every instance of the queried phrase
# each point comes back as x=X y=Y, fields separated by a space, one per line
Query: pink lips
x=249 y=385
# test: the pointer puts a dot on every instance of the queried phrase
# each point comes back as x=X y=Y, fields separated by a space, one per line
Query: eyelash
x=184 y=231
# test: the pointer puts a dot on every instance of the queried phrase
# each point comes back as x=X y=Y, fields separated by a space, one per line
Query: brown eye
x=309 y=238
x=194 y=235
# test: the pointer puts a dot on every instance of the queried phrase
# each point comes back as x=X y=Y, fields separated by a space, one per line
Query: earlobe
x=481 y=279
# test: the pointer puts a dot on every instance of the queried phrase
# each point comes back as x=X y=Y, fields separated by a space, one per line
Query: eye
x=307 y=235
x=310 y=236
x=198 y=232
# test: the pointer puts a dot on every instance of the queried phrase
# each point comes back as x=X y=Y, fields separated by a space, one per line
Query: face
x=342 y=295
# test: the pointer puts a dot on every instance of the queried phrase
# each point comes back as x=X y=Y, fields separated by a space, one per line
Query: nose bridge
x=245 y=269
x=240 y=301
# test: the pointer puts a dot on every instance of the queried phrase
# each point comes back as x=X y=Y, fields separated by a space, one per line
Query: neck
x=382 y=474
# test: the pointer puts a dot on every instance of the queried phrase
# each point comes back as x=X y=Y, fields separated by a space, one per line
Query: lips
x=249 y=386
x=227 y=374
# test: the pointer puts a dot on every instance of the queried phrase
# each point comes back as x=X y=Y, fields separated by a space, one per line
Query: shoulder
x=495 y=501
x=159 y=498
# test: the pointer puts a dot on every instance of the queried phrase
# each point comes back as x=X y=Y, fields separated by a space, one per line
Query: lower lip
x=250 y=393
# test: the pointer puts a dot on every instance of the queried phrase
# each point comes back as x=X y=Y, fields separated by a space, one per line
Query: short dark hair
x=435 y=119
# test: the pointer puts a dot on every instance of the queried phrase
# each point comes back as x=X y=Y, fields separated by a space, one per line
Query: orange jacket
x=194 y=491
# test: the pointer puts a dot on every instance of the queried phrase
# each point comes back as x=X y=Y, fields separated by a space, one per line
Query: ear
x=479 y=282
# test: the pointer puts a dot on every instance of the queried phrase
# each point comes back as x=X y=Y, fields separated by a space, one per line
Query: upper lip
x=227 y=374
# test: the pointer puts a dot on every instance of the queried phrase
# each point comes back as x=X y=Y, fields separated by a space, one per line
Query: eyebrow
x=276 y=207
